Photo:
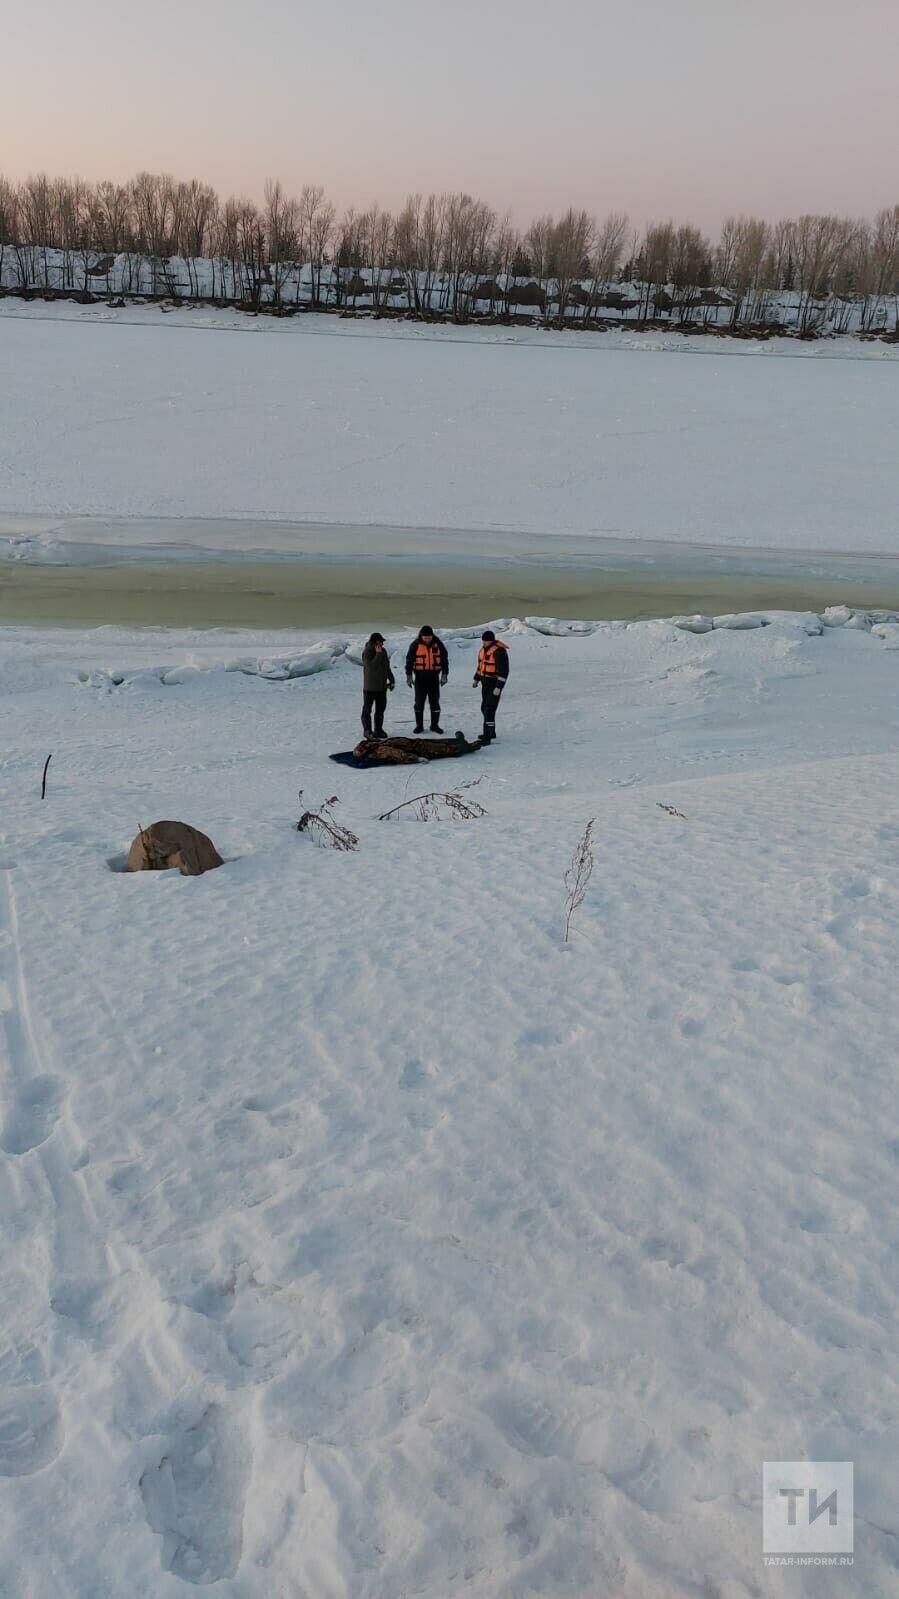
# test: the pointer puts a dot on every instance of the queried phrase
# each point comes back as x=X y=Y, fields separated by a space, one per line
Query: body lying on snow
x=427 y=671
x=388 y=751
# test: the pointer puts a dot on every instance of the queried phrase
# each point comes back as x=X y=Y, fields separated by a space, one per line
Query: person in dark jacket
x=492 y=674
x=427 y=668
x=377 y=678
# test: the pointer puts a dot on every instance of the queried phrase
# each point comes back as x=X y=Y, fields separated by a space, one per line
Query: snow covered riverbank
x=363 y=1239
x=183 y=416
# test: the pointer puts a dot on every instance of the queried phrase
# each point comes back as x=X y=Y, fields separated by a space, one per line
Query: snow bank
x=322 y=656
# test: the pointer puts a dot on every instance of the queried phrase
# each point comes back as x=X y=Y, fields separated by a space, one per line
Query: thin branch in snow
x=44 y=778
x=324 y=829
x=578 y=875
x=431 y=807
x=670 y=811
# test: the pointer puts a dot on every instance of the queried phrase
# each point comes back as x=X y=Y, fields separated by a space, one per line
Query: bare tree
x=879 y=279
x=9 y=219
x=317 y=217
x=251 y=241
x=40 y=234
x=745 y=277
x=505 y=248
x=197 y=207
x=690 y=267
x=376 y=233
x=654 y=264
x=431 y=231
x=468 y=224
x=820 y=243
x=407 y=249
x=281 y=230
x=570 y=245
x=608 y=248
x=538 y=242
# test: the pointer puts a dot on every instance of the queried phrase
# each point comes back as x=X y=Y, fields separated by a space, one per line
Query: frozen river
x=180 y=417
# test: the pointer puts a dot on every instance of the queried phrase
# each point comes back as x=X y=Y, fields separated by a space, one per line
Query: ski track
x=32 y=1430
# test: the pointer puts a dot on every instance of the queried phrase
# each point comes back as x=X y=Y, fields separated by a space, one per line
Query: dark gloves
x=476 y=680
x=392 y=684
x=409 y=680
x=443 y=679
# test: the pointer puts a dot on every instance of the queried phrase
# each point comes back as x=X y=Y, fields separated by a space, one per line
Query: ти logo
x=807 y=1507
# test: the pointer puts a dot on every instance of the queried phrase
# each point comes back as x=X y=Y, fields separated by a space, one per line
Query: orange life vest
x=487 y=657
x=427 y=656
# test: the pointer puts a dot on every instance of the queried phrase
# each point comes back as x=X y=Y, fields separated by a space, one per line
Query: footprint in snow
x=862 y=887
x=692 y=1026
x=417 y=1072
x=664 y=1250
x=194 y=1499
x=543 y=1037
x=31 y=1430
x=530 y=1426
x=33 y=1115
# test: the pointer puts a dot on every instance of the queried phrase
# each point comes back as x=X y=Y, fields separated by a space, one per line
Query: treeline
x=449 y=255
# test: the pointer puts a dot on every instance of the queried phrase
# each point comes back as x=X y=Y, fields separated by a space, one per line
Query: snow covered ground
x=210 y=414
x=359 y=1237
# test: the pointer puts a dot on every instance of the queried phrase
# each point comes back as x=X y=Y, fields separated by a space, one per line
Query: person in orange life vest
x=492 y=674
x=427 y=667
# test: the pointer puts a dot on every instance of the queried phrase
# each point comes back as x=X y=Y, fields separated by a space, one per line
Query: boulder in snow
x=169 y=846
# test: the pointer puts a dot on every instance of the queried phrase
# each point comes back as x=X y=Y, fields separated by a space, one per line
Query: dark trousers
x=373 y=700
x=489 y=703
x=427 y=691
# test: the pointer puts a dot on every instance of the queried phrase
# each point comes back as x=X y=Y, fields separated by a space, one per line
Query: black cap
x=425 y=629
x=488 y=637
x=376 y=638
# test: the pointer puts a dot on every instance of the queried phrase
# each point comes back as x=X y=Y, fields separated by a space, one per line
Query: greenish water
x=91 y=572
x=256 y=594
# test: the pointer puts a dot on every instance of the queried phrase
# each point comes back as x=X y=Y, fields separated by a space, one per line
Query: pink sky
x=693 y=109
